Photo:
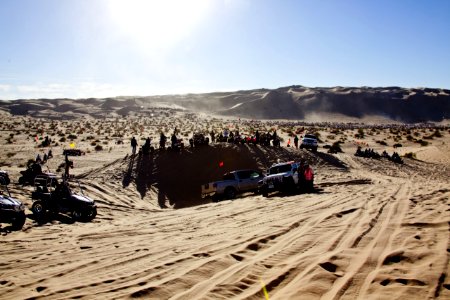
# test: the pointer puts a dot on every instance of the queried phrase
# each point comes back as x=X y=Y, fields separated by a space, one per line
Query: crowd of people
x=45 y=157
x=227 y=136
x=371 y=153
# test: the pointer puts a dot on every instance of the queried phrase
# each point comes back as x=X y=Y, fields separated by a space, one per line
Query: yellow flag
x=72 y=145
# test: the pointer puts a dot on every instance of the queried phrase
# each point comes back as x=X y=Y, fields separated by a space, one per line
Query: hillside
x=408 y=105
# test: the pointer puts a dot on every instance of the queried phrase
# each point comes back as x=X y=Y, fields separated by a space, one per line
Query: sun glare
x=157 y=24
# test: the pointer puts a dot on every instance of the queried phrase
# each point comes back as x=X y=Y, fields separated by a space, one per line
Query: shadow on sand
x=178 y=175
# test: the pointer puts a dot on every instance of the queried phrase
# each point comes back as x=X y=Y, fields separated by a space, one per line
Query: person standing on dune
x=309 y=178
x=133 y=145
x=301 y=176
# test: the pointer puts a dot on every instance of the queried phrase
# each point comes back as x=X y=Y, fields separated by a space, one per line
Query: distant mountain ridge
x=408 y=105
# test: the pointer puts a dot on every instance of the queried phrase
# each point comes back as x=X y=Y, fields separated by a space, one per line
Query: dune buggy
x=59 y=196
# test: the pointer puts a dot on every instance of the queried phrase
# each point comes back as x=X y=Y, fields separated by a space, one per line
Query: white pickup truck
x=233 y=183
x=280 y=177
x=309 y=142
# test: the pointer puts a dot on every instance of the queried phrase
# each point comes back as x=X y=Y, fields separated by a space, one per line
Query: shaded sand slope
x=375 y=231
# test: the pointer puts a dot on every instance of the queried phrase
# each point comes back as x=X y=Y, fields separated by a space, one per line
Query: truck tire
x=288 y=184
x=230 y=193
x=264 y=191
x=90 y=214
x=19 y=221
x=76 y=215
x=314 y=149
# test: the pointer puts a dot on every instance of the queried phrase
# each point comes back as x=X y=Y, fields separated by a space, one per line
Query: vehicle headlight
x=18 y=208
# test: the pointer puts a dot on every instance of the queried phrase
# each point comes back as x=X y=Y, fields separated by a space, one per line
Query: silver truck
x=233 y=183
x=280 y=177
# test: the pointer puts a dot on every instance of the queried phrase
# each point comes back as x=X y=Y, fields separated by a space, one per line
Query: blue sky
x=99 y=48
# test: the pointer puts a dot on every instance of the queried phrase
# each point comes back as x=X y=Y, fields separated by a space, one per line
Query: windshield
x=280 y=169
x=228 y=176
x=310 y=136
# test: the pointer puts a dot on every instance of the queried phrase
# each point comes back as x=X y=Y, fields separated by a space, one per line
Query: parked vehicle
x=233 y=183
x=11 y=210
x=73 y=152
x=58 y=196
x=309 y=141
x=280 y=177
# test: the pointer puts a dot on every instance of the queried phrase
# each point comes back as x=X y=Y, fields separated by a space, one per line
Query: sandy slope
x=375 y=230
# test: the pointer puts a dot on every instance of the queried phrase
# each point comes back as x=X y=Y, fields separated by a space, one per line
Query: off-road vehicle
x=233 y=183
x=11 y=210
x=59 y=196
x=73 y=152
x=309 y=141
x=280 y=177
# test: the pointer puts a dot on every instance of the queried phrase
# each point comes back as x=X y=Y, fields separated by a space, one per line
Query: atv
x=58 y=196
x=11 y=210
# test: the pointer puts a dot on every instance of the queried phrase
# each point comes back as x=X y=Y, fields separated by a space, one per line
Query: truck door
x=248 y=180
x=243 y=180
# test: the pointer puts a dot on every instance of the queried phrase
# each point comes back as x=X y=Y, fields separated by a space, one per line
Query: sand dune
x=373 y=229
x=295 y=102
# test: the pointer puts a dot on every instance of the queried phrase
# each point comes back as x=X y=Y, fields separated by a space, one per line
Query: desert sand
x=373 y=230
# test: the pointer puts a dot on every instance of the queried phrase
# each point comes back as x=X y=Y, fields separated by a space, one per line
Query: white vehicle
x=309 y=141
x=280 y=177
x=233 y=182
x=11 y=210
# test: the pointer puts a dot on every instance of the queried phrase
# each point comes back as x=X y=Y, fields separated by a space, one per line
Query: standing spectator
x=309 y=178
x=162 y=141
x=133 y=145
x=173 y=139
x=296 y=142
x=301 y=176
